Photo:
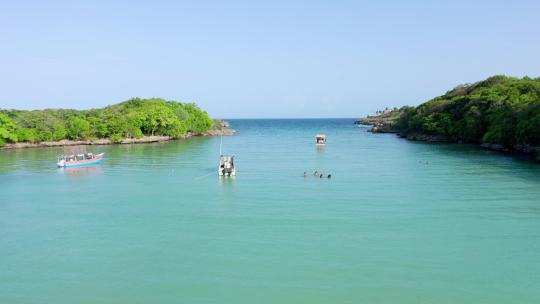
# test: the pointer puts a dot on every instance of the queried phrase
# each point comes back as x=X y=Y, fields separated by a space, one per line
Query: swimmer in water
x=320 y=176
x=316 y=173
x=305 y=174
x=329 y=176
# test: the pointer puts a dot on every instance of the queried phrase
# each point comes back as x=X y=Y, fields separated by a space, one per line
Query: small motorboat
x=79 y=160
x=226 y=166
x=320 y=140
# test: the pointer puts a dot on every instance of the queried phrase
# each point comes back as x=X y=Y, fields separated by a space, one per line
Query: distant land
x=500 y=113
x=133 y=121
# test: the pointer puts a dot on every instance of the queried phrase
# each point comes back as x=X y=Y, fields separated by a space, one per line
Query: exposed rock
x=382 y=123
x=427 y=137
x=379 y=127
x=220 y=124
x=220 y=132
x=526 y=149
x=495 y=147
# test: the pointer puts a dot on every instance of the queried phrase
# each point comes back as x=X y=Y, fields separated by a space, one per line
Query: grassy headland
x=382 y=122
x=135 y=120
x=500 y=113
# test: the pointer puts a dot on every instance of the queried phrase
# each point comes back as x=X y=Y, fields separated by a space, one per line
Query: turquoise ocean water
x=399 y=222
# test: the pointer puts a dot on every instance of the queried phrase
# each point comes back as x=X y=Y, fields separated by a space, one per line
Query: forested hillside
x=134 y=118
x=499 y=110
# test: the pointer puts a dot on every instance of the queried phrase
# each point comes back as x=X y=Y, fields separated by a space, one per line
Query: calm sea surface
x=399 y=222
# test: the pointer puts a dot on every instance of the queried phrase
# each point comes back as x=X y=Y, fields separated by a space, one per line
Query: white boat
x=320 y=140
x=79 y=160
x=226 y=166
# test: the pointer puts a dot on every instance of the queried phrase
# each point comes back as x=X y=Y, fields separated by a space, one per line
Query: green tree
x=78 y=128
x=501 y=110
x=8 y=130
x=130 y=119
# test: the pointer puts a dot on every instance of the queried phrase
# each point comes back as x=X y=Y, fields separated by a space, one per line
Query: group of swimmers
x=318 y=174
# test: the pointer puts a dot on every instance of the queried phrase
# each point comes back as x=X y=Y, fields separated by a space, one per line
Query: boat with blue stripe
x=79 y=160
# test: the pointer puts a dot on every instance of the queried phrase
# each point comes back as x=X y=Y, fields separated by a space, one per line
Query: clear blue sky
x=259 y=59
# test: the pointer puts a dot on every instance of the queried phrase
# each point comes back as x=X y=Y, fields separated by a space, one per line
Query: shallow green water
x=399 y=222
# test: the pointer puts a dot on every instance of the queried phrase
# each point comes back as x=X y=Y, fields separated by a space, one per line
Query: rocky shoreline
x=106 y=141
x=381 y=123
x=521 y=149
x=384 y=124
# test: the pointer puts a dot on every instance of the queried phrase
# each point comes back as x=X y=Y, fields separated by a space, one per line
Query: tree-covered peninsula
x=131 y=119
x=501 y=113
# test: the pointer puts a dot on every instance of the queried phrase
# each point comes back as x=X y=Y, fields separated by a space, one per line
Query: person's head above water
x=329 y=176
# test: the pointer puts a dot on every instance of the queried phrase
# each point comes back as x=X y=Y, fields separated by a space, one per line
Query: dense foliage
x=130 y=119
x=499 y=110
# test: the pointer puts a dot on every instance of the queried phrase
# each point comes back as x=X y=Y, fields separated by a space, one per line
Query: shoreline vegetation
x=130 y=122
x=500 y=113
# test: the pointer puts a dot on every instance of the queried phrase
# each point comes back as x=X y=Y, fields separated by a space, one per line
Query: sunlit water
x=399 y=222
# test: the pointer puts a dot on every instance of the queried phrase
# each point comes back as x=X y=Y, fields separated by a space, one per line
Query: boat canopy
x=320 y=139
x=227 y=158
x=226 y=165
